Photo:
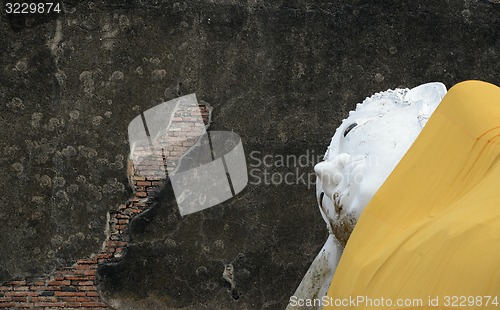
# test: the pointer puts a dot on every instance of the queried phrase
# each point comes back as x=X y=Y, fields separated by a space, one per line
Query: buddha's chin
x=342 y=228
x=352 y=204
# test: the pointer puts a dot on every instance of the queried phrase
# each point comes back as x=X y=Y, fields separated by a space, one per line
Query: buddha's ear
x=428 y=96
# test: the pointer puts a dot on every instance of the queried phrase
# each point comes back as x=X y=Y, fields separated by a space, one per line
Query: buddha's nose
x=331 y=172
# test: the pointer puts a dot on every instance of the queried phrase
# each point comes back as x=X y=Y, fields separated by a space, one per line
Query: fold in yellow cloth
x=433 y=229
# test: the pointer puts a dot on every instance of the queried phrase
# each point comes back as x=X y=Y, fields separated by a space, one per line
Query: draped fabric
x=433 y=228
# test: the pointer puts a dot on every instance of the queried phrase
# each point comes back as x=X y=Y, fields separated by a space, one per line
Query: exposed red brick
x=86 y=283
x=86 y=261
x=16 y=282
x=43 y=299
x=89 y=272
x=9 y=304
x=58 y=283
x=93 y=304
x=22 y=293
x=52 y=288
x=80 y=267
x=80 y=299
x=49 y=304
x=71 y=294
x=68 y=299
x=23 y=299
x=102 y=255
x=80 y=277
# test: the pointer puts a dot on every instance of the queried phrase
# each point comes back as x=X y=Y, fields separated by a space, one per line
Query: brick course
x=74 y=287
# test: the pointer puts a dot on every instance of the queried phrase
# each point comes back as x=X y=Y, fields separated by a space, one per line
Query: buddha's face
x=365 y=149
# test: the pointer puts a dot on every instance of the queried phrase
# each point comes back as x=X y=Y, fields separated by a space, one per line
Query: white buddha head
x=366 y=148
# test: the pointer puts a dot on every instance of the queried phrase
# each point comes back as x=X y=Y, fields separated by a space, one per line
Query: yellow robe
x=433 y=229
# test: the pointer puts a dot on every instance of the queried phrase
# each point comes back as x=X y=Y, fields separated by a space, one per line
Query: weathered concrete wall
x=280 y=74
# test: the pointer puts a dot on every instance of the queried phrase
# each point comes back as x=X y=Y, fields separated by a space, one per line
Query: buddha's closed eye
x=349 y=128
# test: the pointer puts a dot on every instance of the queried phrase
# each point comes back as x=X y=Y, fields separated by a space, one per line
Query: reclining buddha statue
x=407 y=190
